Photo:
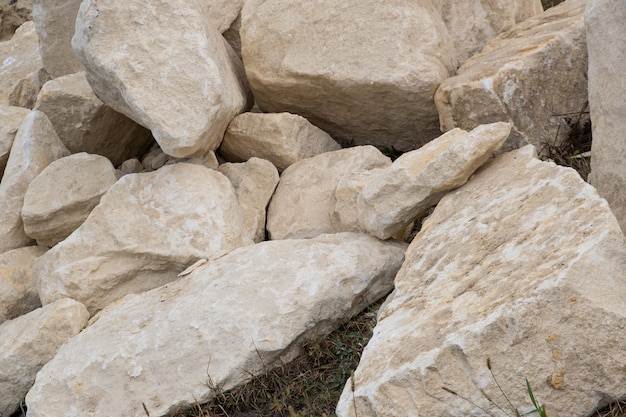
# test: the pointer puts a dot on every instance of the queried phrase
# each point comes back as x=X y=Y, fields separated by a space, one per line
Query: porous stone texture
x=529 y=76
x=606 y=41
x=13 y=15
x=364 y=71
x=417 y=180
x=36 y=145
x=217 y=327
x=28 y=342
x=18 y=292
x=301 y=205
x=523 y=265
x=61 y=197
x=85 y=124
x=10 y=120
x=254 y=182
x=22 y=72
x=281 y=138
x=54 y=22
x=147 y=228
x=135 y=55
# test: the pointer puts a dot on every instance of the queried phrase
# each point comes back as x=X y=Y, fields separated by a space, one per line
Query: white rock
x=281 y=138
x=364 y=71
x=147 y=228
x=61 y=197
x=417 y=180
x=521 y=265
x=10 y=120
x=18 y=292
x=225 y=322
x=28 y=342
x=36 y=145
x=136 y=54
x=302 y=202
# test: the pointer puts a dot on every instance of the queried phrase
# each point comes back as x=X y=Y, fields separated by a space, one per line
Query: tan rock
x=131 y=166
x=418 y=179
x=28 y=342
x=606 y=40
x=254 y=182
x=61 y=197
x=10 y=120
x=217 y=327
x=18 y=292
x=302 y=202
x=12 y=16
x=36 y=145
x=222 y=13
x=525 y=76
x=85 y=124
x=521 y=265
x=133 y=63
x=364 y=71
x=21 y=72
x=147 y=228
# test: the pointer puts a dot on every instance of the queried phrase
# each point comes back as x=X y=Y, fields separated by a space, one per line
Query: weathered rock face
x=22 y=70
x=364 y=71
x=417 y=180
x=250 y=309
x=18 y=292
x=525 y=76
x=28 y=342
x=223 y=13
x=300 y=207
x=520 y=265
x=12 y=16
x=281 y=138
x=135 y=55
x=254 y=182
x=606 y=40
x=10 y=120
x=85 y=124
x=36 y=145
x=61 y=197
x=147 y=228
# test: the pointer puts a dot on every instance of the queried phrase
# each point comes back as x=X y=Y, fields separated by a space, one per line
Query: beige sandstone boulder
x=21 y=70
x=254 y=182
x=85 y=124
x=28 y=342
x=222 y=13
x=12 y=15
x=606 y=40
x=302 y=202
x=18 y=292
x=10 y=120
x=530 y=76
x=523 y=265
x=36 y=145
x=281 y=138
x=61 y=197
x=131 y=166
x=147 y=228
x=217 y=327
x=136 y=54
x=54 y=21
x=417 y=180
x=156 y=158
x=364 y=71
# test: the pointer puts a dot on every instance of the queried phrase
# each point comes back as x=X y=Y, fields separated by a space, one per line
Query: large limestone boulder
x=147 y=228
x=254 y=182
x=36 y=145
x=528 y=76
x=18 y=292
x=222 y=13
x=85 y=124
x=301 y=205
x=524 y=266
x=10 y=120
x=135 y=54
x=364 y=71
x=61 y=197
x=28 y=342
x=418 y=179
x=22 y=70
x=281 y=138
x=606 y=40
x=217 y=327
x=12 y=15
